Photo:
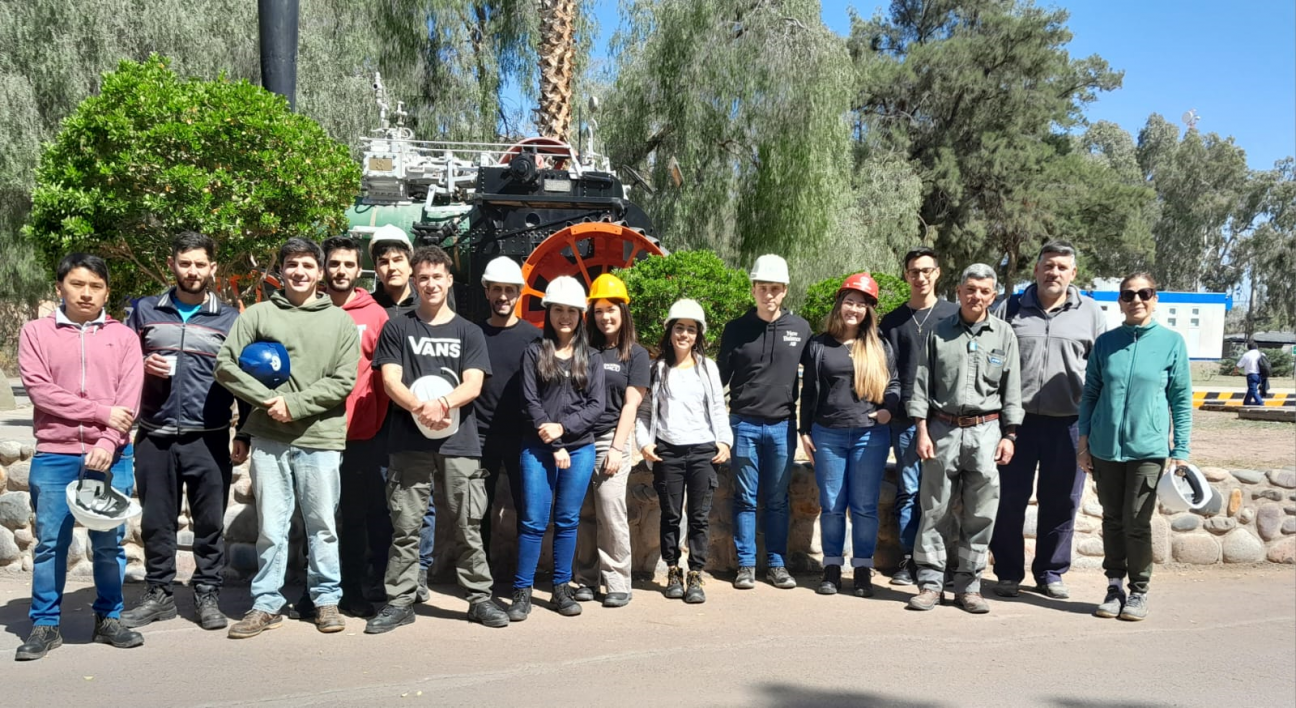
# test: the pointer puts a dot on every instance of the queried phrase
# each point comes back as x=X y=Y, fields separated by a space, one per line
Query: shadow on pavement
x=779 y=694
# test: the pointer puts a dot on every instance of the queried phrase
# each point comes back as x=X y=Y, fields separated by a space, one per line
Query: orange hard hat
x=862 y=282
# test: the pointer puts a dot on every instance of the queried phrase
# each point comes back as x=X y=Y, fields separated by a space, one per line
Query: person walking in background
x=905 y=329
x=849 y=391
x=183 y=446
x=1138 y=391
x=966 y=405
x=563 y=394
x=685 y=434
x=603 y=541
x=1056 y=327
x=82 y=371
x=1249 y=365
x=760 y=354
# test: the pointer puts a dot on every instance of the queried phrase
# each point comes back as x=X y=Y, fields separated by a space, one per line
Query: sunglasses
x=1143 y=294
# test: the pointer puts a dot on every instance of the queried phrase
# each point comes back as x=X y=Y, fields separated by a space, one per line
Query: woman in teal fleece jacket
x=1137 y=381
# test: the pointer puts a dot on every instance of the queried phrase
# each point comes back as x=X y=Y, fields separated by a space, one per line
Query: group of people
x=391 y=394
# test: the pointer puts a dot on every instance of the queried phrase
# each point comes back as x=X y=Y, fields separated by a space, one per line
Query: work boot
x=746 y=578
x=694 y=595
x=972 y=602
x=1136 y=607
x=356 y=606
x=42 y=639
x=1056 y=590
x=831 y=581
x=584 y=593
x=110 y=630
x=904 y=575
x=422 y=594
x=863 y=582
x=207 y=604
x=563 y=601
x=674 y=583
x=254 y=623
x=304 y=608
x=1112 y=604
x=521 y=606
x=156 y=605
x=328 y=620
x=488 y=614
x=780 y=578
x=926 y=599
x=389 y=618
x=616 y=599
x=1007 y=588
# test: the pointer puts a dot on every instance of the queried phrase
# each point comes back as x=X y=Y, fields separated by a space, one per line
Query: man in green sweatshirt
x=298 y=433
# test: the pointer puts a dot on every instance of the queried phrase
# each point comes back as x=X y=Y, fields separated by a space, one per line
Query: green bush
x=656 y=283
x=819 y=298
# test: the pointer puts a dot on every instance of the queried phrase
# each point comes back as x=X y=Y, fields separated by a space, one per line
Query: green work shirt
x=969 y=369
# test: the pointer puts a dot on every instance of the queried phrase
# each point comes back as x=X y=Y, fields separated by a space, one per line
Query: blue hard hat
x=267 y=362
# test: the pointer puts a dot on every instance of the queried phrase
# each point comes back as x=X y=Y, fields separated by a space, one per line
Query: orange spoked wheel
x=583 y=251
x=550 y=153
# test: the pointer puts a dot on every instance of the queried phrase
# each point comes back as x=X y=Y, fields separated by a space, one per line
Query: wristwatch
x=1011 y=437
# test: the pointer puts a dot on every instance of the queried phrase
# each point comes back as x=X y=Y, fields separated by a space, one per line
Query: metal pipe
x=277 y=22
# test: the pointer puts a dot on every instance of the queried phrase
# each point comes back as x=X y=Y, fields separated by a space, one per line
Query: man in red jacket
x=83 y=371
x=365 y=521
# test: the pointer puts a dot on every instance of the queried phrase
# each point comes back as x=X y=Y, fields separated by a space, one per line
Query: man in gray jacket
x=1056 y=327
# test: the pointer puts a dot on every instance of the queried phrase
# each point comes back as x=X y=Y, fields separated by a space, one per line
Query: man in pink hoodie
x=83 y=371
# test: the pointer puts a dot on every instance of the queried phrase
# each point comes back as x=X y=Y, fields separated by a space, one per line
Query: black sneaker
x=616 y=599
x=904 y=575
x=110 y=630
x=488 y=614
x=694 y=595
x=521 y=606
x=863 y=582
x=584 y=593
x=746 y=578
x=563 y=601
x=356 y=606
x=207 y=604
x=303 y=609
x=391 y=617
x=831 y=581
x=422 y=594
x=156 y=605
x=780 y=578
x=42 y=639
x=674 y=583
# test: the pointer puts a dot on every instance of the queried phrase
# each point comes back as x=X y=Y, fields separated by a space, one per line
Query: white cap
x=389 y=232
x=565 y=290
x=503 y=270
x=688 y=310
x=770 y=269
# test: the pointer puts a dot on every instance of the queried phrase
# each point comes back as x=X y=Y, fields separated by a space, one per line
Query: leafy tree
x=153 y=154
x=892 y=293
x=655 y=284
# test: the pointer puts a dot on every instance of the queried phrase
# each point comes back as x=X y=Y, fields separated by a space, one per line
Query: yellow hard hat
x=608 y=287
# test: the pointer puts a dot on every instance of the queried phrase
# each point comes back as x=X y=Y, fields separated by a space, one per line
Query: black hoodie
x=758 y=362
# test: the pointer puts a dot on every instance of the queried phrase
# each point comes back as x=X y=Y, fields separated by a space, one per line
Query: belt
x=965 y=421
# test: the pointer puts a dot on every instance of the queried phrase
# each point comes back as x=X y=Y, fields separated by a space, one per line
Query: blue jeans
x=904 y=442
x=848 y=468
x=427 y=532
x=283 y=476
x=542 y=483
x=48 y=479
x=762 y=469
x=1253 y=391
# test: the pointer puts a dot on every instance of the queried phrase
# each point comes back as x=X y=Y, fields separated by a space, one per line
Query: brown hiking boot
x=254 y=623
x=328 y=620
x=925 y=600
x=972 y=602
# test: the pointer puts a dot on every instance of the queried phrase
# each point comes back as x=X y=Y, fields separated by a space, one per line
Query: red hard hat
x=862 y=282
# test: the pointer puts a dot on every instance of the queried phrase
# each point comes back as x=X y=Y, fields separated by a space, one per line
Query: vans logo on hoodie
x=435 y=346
x=792 y=339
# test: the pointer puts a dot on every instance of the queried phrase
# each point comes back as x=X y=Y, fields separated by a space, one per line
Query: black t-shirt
x=619 y=375
x=499 y=407
x=900 y=327
x=445 y=350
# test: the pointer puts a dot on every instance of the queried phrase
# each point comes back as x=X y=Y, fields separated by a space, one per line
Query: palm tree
x=557 y=67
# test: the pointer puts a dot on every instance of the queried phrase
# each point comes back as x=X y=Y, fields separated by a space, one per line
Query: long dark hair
x=625 y=338
x=667 y=352
x=547 y=364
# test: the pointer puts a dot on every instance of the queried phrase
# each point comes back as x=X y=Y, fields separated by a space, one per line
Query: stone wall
x=1251 y=518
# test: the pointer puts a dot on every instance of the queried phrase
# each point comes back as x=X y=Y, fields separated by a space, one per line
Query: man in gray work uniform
x=966 y=405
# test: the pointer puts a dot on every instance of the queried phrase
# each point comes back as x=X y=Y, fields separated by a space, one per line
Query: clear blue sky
x=1233 y=62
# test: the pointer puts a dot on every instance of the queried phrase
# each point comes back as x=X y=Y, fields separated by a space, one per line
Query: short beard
x=328 y=285
x=202 y=287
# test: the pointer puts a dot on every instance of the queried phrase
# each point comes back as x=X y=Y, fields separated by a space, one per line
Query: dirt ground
x=1222 y=440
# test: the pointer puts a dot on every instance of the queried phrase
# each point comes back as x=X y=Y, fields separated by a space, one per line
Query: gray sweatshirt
x=1054 y=349
x=648 y=421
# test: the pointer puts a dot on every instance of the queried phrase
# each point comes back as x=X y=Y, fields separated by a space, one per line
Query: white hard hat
x=430 y=388
x=1184 y=488
x=688 y=310
x=389 y=232
x=565 y=290
x=503 y=270
x=770 y=269
x=98 y=506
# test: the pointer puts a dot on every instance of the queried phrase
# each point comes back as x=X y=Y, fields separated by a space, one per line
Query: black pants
x=500 y=452
x=365 y=524
x=200 y=464
x=685 y=468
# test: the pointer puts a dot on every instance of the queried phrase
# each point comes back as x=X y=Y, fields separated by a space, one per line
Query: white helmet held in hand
x=430 y=388
x=770 y=269
x=1184 y=488
x=503 y=270
x=688 y=310
x=565 y=290
x=97 y=506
